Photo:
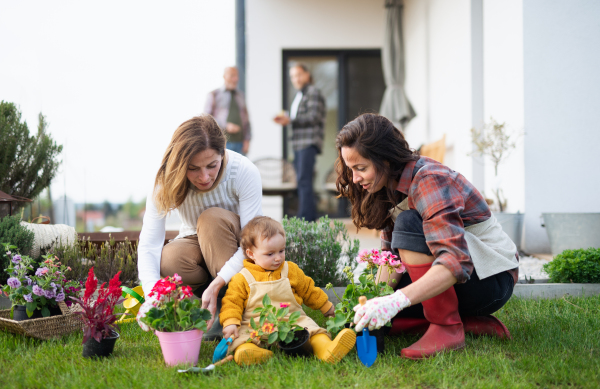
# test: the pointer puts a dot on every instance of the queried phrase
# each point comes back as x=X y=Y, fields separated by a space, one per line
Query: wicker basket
x=45 y=327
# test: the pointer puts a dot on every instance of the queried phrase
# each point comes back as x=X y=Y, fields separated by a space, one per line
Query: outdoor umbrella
x=395 y=105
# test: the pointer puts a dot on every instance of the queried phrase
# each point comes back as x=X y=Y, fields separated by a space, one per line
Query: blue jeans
x=476 y=297
x=236 y=146
x=304 y=162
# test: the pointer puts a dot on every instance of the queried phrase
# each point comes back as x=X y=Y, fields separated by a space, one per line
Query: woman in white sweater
x=216 y=192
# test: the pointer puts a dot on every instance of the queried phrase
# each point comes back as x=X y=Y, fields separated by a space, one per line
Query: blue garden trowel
x=366 y=345
x=221 y=349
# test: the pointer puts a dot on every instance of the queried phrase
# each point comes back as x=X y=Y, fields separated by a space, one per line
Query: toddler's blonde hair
x=259 y=228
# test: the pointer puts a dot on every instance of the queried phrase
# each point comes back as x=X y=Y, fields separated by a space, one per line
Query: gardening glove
x=379 y=311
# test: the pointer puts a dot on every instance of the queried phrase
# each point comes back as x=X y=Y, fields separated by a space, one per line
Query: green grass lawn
x=556 y=344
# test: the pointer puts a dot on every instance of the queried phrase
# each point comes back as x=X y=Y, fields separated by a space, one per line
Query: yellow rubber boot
x=251 y=354
x=332 y=351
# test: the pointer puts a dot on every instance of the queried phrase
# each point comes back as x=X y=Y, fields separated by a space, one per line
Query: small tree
x=495 y=142
x=27 y=163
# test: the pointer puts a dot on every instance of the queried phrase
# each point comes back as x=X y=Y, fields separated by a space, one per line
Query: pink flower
x=374 y=251
x=284 y=305
x=177 y=278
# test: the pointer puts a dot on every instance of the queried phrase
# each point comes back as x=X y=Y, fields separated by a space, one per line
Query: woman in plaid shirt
x=461 y=266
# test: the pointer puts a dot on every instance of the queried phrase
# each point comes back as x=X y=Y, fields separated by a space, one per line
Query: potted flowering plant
x=177 y=320
x=35 y=295
x=278 y=325
x=368 y=285
x=100 y=332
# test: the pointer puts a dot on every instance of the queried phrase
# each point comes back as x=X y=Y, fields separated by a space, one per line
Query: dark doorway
x=352 y=83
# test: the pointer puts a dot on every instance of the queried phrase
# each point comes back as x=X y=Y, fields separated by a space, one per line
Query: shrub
x=11 y=231
x=107 y=260
x=321 y=249
x=27 y=163
x=579 y=266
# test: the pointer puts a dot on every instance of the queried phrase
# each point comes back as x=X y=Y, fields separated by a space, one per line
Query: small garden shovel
x=221 y=349
x=208 y=368
x=366 y=345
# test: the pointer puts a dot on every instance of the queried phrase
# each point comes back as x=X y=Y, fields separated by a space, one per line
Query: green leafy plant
x=171 y=308
x=578 y=266
x=27 y=163
x=274 y=323
x=368 y=285
x=321 y=249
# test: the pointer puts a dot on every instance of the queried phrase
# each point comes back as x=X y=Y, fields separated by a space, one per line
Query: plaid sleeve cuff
x=461 y=270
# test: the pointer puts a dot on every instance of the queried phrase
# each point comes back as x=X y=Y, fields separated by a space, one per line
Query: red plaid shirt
x=448 y=203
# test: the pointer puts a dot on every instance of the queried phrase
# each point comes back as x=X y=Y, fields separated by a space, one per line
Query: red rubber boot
x=485 y=325
x=446 y=329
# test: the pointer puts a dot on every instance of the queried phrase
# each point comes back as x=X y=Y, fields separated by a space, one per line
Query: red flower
x=187 y=291
x=90 y=285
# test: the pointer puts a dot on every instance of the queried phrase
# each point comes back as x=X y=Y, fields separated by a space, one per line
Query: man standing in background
x=228 y=106
x=307 y=116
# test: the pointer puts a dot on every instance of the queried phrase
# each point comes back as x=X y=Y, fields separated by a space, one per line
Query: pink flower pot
x=180 y=347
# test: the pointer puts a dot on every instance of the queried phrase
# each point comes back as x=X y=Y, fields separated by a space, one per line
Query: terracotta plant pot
x=104 y=348
x=299 y=347
x=180 y=347
x=20 y=312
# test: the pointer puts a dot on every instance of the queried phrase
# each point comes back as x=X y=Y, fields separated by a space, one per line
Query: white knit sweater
x=239 y=191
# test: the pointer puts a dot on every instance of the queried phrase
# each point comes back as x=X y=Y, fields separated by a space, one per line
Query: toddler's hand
x=379 y=311
x=230 y=330
x=330 y=312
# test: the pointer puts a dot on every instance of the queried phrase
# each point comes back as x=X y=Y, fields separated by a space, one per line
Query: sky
x=114 y=80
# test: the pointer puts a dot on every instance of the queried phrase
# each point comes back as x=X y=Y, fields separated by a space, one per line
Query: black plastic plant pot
x=104 y=348
x=299 y=347
x=20 y=312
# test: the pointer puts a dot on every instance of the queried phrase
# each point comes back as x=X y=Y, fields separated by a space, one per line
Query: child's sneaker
x=332 y=351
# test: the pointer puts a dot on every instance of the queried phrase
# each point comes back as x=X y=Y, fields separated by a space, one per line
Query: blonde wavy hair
x=191 y=137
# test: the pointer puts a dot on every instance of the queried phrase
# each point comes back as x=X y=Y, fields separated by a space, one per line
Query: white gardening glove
x=379 y=311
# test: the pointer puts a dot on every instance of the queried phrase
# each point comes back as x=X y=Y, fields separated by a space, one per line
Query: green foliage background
x=11 y=231
x=321 y=249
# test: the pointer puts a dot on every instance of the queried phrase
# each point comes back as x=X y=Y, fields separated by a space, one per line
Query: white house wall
x=438 y=76
x=274 y=25
x=562 y=96
x=503 y=92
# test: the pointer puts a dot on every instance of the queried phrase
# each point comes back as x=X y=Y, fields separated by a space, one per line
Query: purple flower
x=41 y=271
x=52 y=284
x=28 y=280
x=60 y=297
x=13 y=282
x=28 y=298
x=38 y=291
x=50 y=293
x=16 y=258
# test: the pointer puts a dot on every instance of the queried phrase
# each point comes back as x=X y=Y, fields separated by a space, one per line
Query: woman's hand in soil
x=209 y=298
x=379 y=311
x=330 y=312
x=230 y=330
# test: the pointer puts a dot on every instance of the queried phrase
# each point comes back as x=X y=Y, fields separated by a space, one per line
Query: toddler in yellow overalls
x=266 y=272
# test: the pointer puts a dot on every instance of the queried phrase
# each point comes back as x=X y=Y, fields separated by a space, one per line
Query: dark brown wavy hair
x=375 y=138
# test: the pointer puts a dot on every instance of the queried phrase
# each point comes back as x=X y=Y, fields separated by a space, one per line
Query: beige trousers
x=199 y=257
